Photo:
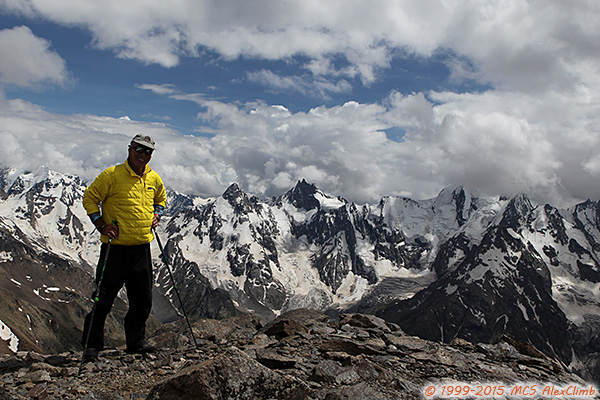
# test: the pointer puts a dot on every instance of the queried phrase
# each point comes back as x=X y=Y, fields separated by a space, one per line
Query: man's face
x=138 y=156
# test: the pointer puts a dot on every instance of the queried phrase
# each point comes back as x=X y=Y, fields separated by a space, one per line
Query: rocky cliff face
x=300 y=355
x=523 y=257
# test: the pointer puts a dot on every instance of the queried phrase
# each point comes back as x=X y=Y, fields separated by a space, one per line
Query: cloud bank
x=534 y=130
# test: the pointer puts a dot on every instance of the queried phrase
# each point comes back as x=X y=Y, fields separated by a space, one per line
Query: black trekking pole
x=164 y=258
x=96 y=298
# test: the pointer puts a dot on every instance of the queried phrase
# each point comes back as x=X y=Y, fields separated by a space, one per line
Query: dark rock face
x=302 y=196
x=299 y=355
x=37 y=301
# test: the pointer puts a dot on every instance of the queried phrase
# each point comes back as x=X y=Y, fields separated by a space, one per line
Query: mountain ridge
x=237 y=253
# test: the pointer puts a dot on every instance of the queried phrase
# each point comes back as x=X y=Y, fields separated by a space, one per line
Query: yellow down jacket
x=127 y=198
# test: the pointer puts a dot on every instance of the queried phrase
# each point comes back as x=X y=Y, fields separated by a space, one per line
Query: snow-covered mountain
x=302 y=249
x=44 y=208
x=531 y=274
x=457 y=265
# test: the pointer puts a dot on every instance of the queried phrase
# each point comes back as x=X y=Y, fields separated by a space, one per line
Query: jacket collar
x=133 y=173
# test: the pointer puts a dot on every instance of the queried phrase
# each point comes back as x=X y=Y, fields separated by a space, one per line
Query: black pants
x=130 y=266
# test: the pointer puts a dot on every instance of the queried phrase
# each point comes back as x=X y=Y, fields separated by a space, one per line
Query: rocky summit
x=302 y=354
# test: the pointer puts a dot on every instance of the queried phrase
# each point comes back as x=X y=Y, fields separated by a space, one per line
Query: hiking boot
x=144 y=348
x=90 y=355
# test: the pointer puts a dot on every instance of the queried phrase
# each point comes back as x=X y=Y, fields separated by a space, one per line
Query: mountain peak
x=238 y=199
x=454 y=194
x=303 y=195
x=233 y=192
x=461 y=199
x=517 y=210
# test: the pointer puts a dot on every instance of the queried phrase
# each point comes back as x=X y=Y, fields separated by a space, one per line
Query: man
x=124 y=203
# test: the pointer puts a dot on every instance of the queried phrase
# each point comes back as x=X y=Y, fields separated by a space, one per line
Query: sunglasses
x=141 y=149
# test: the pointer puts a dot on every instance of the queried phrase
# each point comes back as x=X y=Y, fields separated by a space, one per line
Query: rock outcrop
x=300 y=355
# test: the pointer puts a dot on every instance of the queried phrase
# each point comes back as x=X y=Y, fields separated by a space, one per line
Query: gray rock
x=232 y=375
x=307 y=356
x=365 y=321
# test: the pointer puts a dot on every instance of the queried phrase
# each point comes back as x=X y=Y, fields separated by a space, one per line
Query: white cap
x=143 y=140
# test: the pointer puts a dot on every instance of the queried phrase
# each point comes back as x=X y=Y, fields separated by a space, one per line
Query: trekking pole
x=96 y=298
x=164 y=258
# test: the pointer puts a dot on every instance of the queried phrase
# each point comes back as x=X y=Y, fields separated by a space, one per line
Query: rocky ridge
x=301 y=354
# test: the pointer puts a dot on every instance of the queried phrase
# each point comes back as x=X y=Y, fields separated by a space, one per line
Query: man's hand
x=110 y=230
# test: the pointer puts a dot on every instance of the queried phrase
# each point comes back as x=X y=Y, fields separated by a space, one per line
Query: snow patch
x=451 y=289
x=5 y=256
x=8 y=336
x=352 y=288
x=328 y=203
x=477 y=273
x=523 y=310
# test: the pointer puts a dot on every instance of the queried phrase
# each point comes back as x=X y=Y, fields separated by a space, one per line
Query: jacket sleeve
x=95 y=194
x=160 y=198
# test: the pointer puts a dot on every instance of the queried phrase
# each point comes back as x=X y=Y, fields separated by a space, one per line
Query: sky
x=364 y=99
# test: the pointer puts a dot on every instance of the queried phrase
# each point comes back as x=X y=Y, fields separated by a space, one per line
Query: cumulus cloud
x=28 y=60
x=524 y=46
x=478 y=140
x=489 y=141
x=513 y=44
x=534 y=130
x=527 y=46
x=78 y=144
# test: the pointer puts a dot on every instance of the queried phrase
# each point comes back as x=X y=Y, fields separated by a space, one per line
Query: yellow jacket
x=127 y=198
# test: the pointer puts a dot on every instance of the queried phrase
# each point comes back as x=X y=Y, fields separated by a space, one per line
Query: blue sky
x=103 y=84
x=363 y=99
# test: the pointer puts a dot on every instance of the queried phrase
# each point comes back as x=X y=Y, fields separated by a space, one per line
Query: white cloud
x=496 y=142
x=528 y=46
x=164 y=89
x=308 y=86
x=482 y=141
x=78 y=144
x=28 y=60
x=516 y=45
x=535 y=130
x=503 y=143
x=592 y=165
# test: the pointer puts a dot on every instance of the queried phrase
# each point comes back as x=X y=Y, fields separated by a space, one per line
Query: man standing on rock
x=125 y=202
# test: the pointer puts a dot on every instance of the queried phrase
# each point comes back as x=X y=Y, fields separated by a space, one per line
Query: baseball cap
x=143 y=140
